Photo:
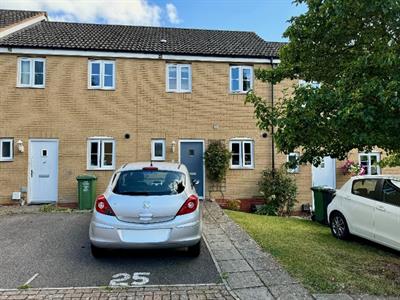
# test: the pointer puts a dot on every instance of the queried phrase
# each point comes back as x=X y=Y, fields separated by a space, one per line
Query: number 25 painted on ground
x=139 y=278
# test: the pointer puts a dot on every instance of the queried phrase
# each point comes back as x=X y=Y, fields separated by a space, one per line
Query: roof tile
x=10 y=17
x=141 y=39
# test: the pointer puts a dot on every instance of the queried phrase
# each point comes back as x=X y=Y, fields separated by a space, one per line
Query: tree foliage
x=352 y=49
x=217 y=161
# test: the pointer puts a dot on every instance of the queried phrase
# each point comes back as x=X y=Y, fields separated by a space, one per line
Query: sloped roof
x=141 y=39
x=10 y=17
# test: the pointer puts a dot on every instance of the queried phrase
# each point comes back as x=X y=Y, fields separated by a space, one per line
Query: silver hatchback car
x=147 y=205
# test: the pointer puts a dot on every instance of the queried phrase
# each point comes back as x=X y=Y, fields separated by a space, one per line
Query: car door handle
x=381 y=208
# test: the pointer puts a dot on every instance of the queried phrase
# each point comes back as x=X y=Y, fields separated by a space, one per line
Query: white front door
x=325 y=173
x=43 y=171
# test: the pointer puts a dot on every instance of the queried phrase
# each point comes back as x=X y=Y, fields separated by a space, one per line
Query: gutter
x=272 y=129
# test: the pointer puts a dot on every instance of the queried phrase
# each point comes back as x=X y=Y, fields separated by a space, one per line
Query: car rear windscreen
x=150 y=182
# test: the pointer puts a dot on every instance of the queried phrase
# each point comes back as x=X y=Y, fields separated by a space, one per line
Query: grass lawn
x=322 y=263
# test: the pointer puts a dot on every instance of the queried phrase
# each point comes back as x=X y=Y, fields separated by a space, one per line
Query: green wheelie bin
x=322 y=198
x=86 y=191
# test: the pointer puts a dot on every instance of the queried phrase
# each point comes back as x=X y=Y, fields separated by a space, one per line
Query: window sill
x=237 y=93
x=241 y=168
x=100 y=89
x=157 y=159
x=30 y=87
x=179 y=92
x=6 y=159
x=100 y=169
x=293 y=172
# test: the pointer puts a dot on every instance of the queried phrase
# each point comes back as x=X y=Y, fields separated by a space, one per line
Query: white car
x=369 y=207
x=147 y=205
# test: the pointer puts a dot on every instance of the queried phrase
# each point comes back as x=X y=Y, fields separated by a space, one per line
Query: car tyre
x=194 y=250
x=339 y=227
x=96 y=251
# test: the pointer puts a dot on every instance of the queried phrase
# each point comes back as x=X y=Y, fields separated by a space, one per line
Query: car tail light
x=189 y=206
x=103 y=207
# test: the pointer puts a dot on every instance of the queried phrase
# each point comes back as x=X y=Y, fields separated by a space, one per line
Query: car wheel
x=96 y=251
x=339 y=226
x=194 y=250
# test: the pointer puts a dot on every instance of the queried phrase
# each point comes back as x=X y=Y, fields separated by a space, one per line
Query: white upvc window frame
x=241 y=68
x=100 y=153
x=178 y=88
x=293 y=170
x=31 y=83
x=7 y=140
x=369 y=154
x=242 y=162
x=153 y=149
x=102 y=75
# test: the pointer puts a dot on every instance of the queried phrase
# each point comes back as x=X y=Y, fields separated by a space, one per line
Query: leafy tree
x=352 y=49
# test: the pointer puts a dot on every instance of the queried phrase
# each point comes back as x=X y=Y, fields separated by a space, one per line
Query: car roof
x=165 y=166
x=394 y=177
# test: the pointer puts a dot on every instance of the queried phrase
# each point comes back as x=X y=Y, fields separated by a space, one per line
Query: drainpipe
x=272 y=129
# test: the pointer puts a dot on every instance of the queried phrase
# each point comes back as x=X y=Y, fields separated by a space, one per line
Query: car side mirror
x=195 y=181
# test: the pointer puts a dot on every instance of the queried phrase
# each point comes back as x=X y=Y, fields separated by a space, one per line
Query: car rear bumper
x=109 y=232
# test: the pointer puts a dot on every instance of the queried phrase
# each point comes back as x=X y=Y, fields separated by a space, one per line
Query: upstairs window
x=242 y=154
x=369 y=162
x=101 y=74
x=158 y=149
x=179 y=78
x=292 y=159
x=241 y=79
x=6 y=149
x=31 y=72
x=100 y=154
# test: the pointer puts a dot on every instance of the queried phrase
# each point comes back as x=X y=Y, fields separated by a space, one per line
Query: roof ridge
x=149 y=26
x=23 y=10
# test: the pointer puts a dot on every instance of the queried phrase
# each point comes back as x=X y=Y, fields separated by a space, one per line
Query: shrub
x=279 y=191
x=217 y=161
x=233 y=204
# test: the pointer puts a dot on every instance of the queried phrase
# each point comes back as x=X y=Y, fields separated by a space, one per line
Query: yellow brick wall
x=65 y=109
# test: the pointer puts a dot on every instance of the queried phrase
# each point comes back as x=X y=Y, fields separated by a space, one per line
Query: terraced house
x=87 y=98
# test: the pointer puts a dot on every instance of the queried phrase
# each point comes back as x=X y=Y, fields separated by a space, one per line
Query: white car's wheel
x=339 y=226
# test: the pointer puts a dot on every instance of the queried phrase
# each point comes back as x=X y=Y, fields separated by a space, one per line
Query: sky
x=268 y=18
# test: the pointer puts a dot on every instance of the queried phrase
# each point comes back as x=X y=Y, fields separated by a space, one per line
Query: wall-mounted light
x=173 y=145
x=20 y=146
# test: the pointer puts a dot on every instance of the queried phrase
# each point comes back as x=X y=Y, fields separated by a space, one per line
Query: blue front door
x=191 y=154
